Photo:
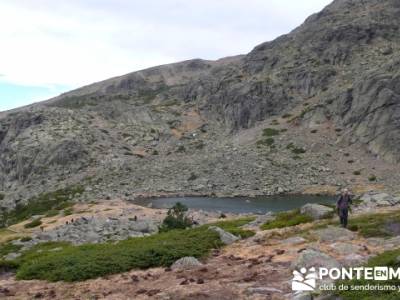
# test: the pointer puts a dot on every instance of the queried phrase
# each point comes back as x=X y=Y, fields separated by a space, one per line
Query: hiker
x=342 y=206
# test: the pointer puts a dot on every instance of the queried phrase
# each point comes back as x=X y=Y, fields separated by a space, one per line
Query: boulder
x=227 y=238
x=187 y=262
x=295 y=240
x=260 y=220
x=345 y=248
x=379 y=199
x=333 y=234
x=316 y=211
x=12 y=256
x=313 y=258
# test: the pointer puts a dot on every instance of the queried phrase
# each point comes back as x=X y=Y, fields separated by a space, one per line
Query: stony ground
x=255 y=268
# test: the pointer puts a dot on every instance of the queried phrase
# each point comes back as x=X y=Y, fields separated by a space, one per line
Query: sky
x=48 y=47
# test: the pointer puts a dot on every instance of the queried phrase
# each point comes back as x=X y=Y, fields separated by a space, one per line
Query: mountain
x=313 y=110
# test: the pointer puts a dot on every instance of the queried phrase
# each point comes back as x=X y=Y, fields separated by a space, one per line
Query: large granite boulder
x=227 y=238
x=184 y=263
x=316 y=211
x=313 y=258
x=333 y=234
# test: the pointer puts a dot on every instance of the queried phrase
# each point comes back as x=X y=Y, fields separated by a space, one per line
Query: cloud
x=76 y=42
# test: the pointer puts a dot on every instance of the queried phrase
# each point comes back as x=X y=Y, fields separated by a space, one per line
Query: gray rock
x=333 y=234
x=188 y=262
x=379 y=199
x=345 y=248
x=295 y=240
x=227 y=238
x=316 y=211
x=262 y=290
x=302 y=296
x=313 y=258
x=11 y=256
x=260 y=220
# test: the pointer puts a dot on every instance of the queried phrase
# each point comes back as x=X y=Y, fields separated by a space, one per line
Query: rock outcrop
x=195 y=126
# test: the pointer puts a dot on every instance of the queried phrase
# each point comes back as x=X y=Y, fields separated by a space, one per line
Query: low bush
x=33 y=224
x=372 y=178
x=75 y=263
x=2 y=196
x=270 y=132
x=176 y=218
x=357 y=172
x=287 y=219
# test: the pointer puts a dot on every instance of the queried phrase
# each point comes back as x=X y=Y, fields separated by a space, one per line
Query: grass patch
x=33 y=224
x=287 y=219
x=376 y=225
x=387 y=259
x=233 y=226
x=270 y=132
x=42 y=204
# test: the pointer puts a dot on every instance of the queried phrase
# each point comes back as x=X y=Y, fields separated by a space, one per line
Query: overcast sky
x=48 y=47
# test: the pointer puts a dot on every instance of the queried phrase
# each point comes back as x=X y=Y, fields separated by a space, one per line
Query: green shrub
x=357 y=172
x=286 y=219
x=285 y=116
x=2 y=196
x=26 y=239
x=33 y=224
x=68 y=211
x=270 y=132
x=52 y=213
x=75 y=263
x=176 y=218
x=314 y=131
x=372 y=178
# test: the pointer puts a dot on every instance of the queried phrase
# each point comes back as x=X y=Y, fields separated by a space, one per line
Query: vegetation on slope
x=42 y=204
x=387 y=259
x=286 y=219
x=76 y=263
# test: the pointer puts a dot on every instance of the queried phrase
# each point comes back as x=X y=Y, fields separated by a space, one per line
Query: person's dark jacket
x=344 y=201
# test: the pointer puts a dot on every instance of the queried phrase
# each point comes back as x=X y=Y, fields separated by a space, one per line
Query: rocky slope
x=329 y=90
x=258 y=267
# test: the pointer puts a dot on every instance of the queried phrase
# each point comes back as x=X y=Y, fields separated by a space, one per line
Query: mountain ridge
x=325 y=94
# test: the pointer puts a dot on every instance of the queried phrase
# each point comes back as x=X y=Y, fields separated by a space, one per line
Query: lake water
x=239 y=204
